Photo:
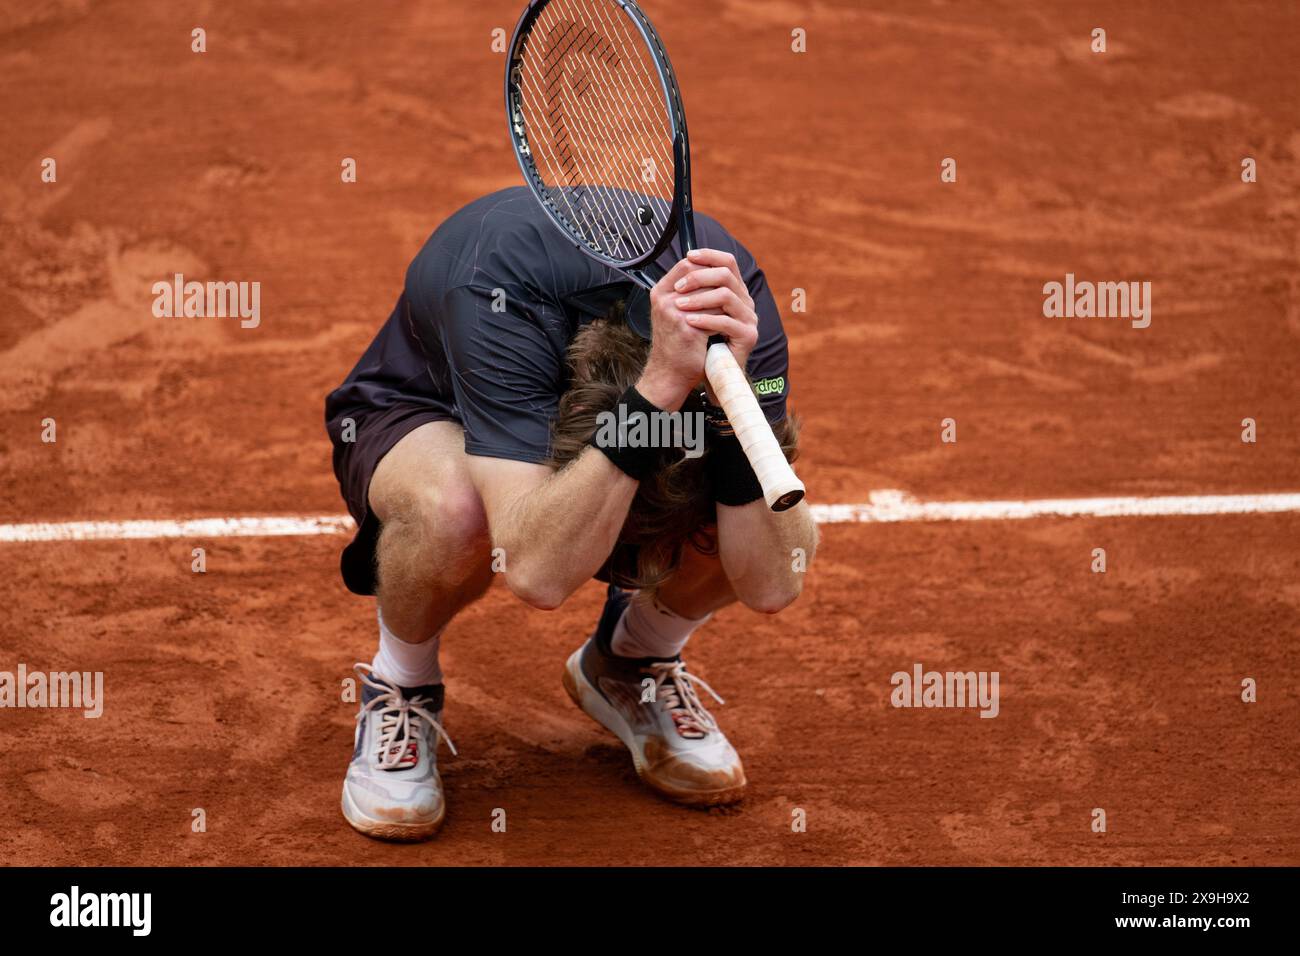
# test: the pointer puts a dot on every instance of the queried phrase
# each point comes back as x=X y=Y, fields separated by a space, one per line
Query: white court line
x=197 y=528
x=898 y=506
x=882 y=506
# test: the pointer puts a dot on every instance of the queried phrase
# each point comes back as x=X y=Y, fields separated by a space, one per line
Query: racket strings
x=598 y=213
x=646 y=100
x=598 y=128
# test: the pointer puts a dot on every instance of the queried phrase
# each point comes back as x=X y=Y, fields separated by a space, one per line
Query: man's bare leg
x=434 y=554
x=433 y=558
x=658 y=622
x=698 y=587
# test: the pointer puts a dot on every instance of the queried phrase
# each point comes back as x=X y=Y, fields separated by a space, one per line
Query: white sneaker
x=392 y=790
x=652 y=706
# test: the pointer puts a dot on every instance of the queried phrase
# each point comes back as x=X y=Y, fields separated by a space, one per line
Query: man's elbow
x=773 y=597
x=541 y=591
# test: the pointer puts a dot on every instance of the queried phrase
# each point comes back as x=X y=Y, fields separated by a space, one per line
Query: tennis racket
x=598 y=128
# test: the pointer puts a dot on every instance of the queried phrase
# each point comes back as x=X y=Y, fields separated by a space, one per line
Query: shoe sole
x=386 y=829
x=591 y=703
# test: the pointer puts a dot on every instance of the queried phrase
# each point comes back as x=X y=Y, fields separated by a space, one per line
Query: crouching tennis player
x=479 y=436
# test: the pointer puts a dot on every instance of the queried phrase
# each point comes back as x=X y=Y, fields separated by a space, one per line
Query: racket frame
x=644 y=269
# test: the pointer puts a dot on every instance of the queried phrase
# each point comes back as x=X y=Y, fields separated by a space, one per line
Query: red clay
x=1119 y=691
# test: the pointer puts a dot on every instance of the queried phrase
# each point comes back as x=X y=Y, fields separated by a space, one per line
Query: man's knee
x=445 y=518
x=422 y=493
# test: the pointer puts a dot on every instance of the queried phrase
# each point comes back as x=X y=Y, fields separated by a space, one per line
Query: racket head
x=596 y=120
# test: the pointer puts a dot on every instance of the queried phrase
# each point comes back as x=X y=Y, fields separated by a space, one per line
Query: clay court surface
x=1120 y=690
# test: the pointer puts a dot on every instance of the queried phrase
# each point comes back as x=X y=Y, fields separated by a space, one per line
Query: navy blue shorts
x=384 y=398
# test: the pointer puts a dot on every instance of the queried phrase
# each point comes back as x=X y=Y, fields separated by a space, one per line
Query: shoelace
x=675 y=688
x=396 y=746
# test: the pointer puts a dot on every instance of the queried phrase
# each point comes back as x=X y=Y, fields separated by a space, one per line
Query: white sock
x=648 y=629
x=407 y=665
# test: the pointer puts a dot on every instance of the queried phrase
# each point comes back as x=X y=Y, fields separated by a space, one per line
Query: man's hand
x=701 y=295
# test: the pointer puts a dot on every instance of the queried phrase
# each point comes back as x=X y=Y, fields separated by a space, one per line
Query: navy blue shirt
x=490 y=306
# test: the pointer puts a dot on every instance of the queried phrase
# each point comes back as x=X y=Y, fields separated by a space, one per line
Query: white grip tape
x=750 y=424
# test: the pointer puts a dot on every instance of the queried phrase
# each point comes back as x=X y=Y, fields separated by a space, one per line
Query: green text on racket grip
x=782 y=488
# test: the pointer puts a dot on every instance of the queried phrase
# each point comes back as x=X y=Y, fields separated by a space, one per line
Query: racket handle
x=782 y=488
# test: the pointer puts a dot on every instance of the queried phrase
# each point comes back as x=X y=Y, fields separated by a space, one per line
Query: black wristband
x=730 y=474
x=638 y=460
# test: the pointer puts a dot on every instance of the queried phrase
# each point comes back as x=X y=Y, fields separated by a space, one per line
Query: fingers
x=679 y=270
x=738 y=333
x=703 y=260
x=715 y=257
x=700 y=296
x=706 y=294
x=724 y=298
x=704 y=278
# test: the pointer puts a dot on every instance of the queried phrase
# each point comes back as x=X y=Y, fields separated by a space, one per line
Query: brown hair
x=674 y=506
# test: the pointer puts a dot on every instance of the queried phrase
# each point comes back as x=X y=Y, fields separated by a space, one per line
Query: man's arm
x=555 y=528
x=757 y=547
